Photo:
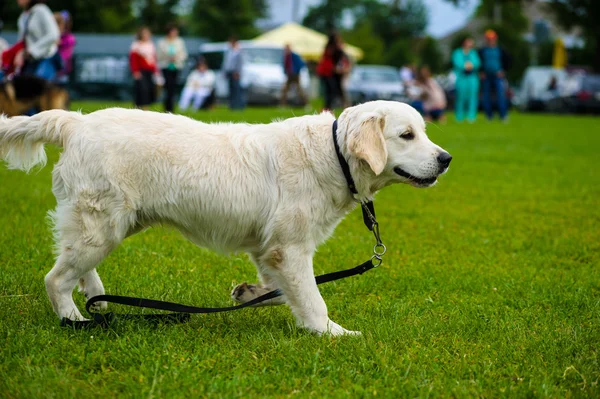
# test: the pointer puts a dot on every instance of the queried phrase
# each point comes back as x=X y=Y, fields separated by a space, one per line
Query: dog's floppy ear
x=368 y=144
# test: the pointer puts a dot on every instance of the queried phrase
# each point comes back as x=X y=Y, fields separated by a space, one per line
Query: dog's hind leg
x=85 y=236
x=245 y=292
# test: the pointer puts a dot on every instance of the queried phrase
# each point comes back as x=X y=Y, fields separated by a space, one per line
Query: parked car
x=535 y=95
x=375 y=82
x=262 y=74
x=585 y=95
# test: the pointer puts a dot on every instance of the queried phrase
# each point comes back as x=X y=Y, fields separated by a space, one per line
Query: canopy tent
x=306 y=42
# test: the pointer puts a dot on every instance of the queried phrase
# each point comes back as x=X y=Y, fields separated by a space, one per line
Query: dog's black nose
x=444 y=159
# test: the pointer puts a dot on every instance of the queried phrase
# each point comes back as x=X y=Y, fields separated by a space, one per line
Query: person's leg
x=501 y=97
x=325 y=81
x=238 y=97
x=459 y=105
x=486 y=98
x=185 y=98
x=170 y=77
x=199 y=98
x=300 y=90
x=472 y=97
x=285 y=89
x=231 y=91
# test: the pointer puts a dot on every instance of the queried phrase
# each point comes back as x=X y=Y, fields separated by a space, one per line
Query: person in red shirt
x=143 y=65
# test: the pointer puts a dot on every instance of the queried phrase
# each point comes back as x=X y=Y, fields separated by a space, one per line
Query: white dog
x=275 y=191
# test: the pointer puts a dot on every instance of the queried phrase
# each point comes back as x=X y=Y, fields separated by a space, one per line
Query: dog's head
x=387 y=142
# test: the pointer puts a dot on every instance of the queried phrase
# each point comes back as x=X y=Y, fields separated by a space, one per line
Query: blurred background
x=554 y=47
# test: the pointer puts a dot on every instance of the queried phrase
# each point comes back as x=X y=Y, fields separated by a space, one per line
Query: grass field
x=491 y=287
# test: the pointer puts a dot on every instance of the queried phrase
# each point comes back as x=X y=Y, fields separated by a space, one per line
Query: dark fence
x=101 y=65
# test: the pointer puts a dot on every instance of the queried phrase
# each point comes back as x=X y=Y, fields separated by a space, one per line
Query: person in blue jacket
x=292 y=66
x=494 y=63
x=466 y=63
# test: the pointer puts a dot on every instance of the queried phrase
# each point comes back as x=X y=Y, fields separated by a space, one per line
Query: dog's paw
x=334 y=330
x=99 y=307
x=244 y=292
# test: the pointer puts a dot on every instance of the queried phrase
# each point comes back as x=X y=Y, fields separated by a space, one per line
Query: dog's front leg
x=291 y=267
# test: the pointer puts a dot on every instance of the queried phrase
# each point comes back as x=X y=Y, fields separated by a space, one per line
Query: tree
x=430 y=54
x=582 y=13
x=157 y=14
x=106 y=16
x=327 y=16
x=219 y=19
x=362 y=35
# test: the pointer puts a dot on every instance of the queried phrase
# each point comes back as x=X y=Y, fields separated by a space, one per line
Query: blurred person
x=172 y=55
x=343 y=67
x=466 y=63
x=407 y=74
x=292 y=66
x=199 y=88
x=325 y=70
x=233 y=63
x=39 y=36
x=433 y=96
x=143 y=64
x=494 y=63
x=66 y=45
x=333 y=68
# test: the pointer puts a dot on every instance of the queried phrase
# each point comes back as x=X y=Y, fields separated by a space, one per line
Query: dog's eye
x=407 y=135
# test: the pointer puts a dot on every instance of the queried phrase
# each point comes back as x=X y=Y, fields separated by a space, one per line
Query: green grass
x=491 y=287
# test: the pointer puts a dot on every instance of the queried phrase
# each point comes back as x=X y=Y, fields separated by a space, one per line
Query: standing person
x=233 y=63
x=494 y=63
x=40 y=34
x=66 y=45
x=292 y=66
x=143 y=64
x=466 y=63
x=343 y=66
x=199 y=87
x=326 y=71
x=171 y=57
x=434 y=98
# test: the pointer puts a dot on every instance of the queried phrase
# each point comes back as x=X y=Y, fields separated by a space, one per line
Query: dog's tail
x=22 y=138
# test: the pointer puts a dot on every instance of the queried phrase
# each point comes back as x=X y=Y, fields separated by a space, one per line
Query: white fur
x=275 y=191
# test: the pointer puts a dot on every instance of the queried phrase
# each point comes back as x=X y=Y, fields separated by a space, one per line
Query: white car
x=262 y=73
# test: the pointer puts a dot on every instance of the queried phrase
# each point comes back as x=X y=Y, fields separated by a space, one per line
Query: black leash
x=183 y=312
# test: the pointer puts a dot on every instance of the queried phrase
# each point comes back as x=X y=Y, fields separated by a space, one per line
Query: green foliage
x=583 y=13
x=431 y=55
x=157 y=14
x=490 y=288
x=217 y=20
x=401 y=52
x=327 y=16
x=363 y=36
x=389 y=26
x=106 y=16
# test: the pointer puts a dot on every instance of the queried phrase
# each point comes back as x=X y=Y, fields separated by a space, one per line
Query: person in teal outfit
x=466 y=63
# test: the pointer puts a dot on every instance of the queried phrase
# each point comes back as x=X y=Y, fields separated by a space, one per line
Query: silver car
x=375 y=82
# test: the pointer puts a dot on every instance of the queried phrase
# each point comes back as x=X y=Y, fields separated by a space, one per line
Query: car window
x=214 y=59
x=263 y=55
x=591 y=83
x=379 y=76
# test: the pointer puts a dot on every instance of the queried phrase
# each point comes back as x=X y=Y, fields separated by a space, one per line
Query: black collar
x=343 y=162
x=368 y=209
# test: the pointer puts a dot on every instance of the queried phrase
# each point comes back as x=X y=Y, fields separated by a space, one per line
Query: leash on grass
x=181 y=313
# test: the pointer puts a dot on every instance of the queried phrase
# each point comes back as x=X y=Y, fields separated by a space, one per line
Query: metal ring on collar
x=377 y=247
